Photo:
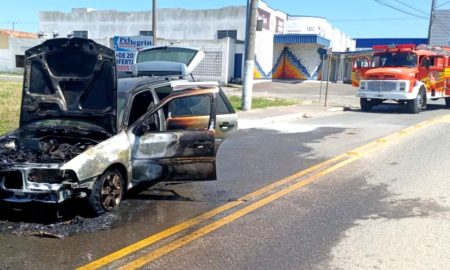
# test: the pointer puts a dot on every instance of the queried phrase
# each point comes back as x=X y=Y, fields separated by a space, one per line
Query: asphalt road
x=386 y=209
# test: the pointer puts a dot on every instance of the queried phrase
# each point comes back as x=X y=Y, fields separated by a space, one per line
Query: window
x=394 y=59
x=279 y=28
x=227 y=33
x=190 y=106
x=163 y=91
x=20 y=61
x=188 y=113
x=265 y=17
x=171 y=54
x=146 y=33
x=80 y=34
x=223 y=106
x=142 y=102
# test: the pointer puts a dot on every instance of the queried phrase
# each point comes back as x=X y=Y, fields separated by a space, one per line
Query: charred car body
x=84 y=134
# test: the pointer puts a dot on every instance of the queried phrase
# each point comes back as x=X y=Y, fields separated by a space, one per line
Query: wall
x=274 y=21
x=17 y=46
x=440 y=30
x=293 y=61
x=173 y=23
x=340 y=42
x=218 y=59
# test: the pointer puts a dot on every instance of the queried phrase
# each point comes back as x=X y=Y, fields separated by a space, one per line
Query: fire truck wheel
x=366 y=105
x=447 y=102
x=420 y=102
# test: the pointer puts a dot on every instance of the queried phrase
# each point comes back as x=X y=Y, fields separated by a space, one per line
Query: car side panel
x=187 y=155
x=97 y=159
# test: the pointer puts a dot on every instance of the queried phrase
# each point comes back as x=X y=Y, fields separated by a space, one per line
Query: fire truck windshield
x=395 y=59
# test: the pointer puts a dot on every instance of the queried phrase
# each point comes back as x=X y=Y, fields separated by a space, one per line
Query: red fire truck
x=406 y=74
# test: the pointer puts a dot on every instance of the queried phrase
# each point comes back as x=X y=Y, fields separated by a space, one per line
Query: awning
x=300 y=39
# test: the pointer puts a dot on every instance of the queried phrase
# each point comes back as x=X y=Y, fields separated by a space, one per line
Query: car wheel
x=447 y=102
x=107 y=193
x=420 y=102
x=366 y=105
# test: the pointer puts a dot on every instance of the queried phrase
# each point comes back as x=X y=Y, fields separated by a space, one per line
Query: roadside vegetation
x=260 y=103
x=10 y=94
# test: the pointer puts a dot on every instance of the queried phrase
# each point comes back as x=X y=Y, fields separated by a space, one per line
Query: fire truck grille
x=381 y=86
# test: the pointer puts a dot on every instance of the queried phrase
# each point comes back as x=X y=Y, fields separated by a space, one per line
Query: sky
x=357 y=18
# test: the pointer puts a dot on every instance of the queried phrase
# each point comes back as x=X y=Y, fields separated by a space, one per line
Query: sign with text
x=311 y=26
x=126 y=48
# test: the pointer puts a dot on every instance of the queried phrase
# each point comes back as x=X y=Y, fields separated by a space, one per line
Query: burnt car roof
x=70 y=79
x=128 y=85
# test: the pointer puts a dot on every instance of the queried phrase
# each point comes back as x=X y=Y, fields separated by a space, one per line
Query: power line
x=411 y=7
x=371 y=20
x=443 y=4
x=400 y=10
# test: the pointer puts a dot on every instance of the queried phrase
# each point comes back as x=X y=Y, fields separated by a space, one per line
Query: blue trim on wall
x=300 y=39
x=369 y=42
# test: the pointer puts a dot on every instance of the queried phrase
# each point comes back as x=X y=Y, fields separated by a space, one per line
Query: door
x=184 y=147
x=227 y=119
x=430 y=71
x=359 y=68
x=238 y=66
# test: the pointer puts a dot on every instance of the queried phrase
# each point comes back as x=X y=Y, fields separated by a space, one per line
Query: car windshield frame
x=395 y=59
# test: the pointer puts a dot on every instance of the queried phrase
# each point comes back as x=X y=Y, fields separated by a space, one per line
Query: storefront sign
x=126 y=48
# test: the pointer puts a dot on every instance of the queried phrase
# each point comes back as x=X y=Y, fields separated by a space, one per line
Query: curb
x=244 y=123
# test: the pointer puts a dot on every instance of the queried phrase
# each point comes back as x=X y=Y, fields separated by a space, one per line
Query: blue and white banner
x=126 y=48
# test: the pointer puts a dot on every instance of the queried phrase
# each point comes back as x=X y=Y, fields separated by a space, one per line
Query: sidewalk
x=261 y=117
x=341 y=97
x=339 y=94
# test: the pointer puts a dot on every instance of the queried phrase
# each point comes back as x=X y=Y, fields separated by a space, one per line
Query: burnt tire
x=107 y=193
x=447 y=102
x=418 y=104
x=366 y=105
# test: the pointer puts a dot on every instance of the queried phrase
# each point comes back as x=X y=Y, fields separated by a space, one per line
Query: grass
x=10 y=95
x=11 y=92
x=260 y=103
x=12 y=73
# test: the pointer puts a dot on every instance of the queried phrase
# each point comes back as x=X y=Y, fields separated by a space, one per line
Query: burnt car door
x=182 y=148
x=227 y=119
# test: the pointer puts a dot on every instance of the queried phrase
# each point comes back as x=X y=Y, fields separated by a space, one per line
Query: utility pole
x=154 y=22
x=433 y=8
x=330 y=59
x=249 y=57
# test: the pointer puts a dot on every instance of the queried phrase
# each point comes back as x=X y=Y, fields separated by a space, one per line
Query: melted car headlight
x=51 y=176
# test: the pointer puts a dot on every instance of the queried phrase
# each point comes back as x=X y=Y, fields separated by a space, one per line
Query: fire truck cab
x=406 y=74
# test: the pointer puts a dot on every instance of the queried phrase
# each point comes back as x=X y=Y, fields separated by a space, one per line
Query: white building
x=286 y=46
x=440 y=29
x=13 y=45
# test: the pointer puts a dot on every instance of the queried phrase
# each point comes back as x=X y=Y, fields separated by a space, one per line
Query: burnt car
x=84 y=134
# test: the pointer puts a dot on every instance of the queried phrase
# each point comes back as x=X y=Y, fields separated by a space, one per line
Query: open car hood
x=172 y=60
x=70 y=79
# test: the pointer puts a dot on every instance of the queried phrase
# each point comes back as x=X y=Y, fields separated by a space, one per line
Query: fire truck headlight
x=362 y=85
x=402 y=86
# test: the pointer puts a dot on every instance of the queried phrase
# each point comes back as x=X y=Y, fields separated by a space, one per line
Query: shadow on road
x=391 y=108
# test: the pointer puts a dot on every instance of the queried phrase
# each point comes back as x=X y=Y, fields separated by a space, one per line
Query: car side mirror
x=145 y=125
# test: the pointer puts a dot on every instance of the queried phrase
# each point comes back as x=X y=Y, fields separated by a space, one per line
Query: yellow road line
x=352 y=155
x=203 y=217
x=227 y=219
x=141 y=261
